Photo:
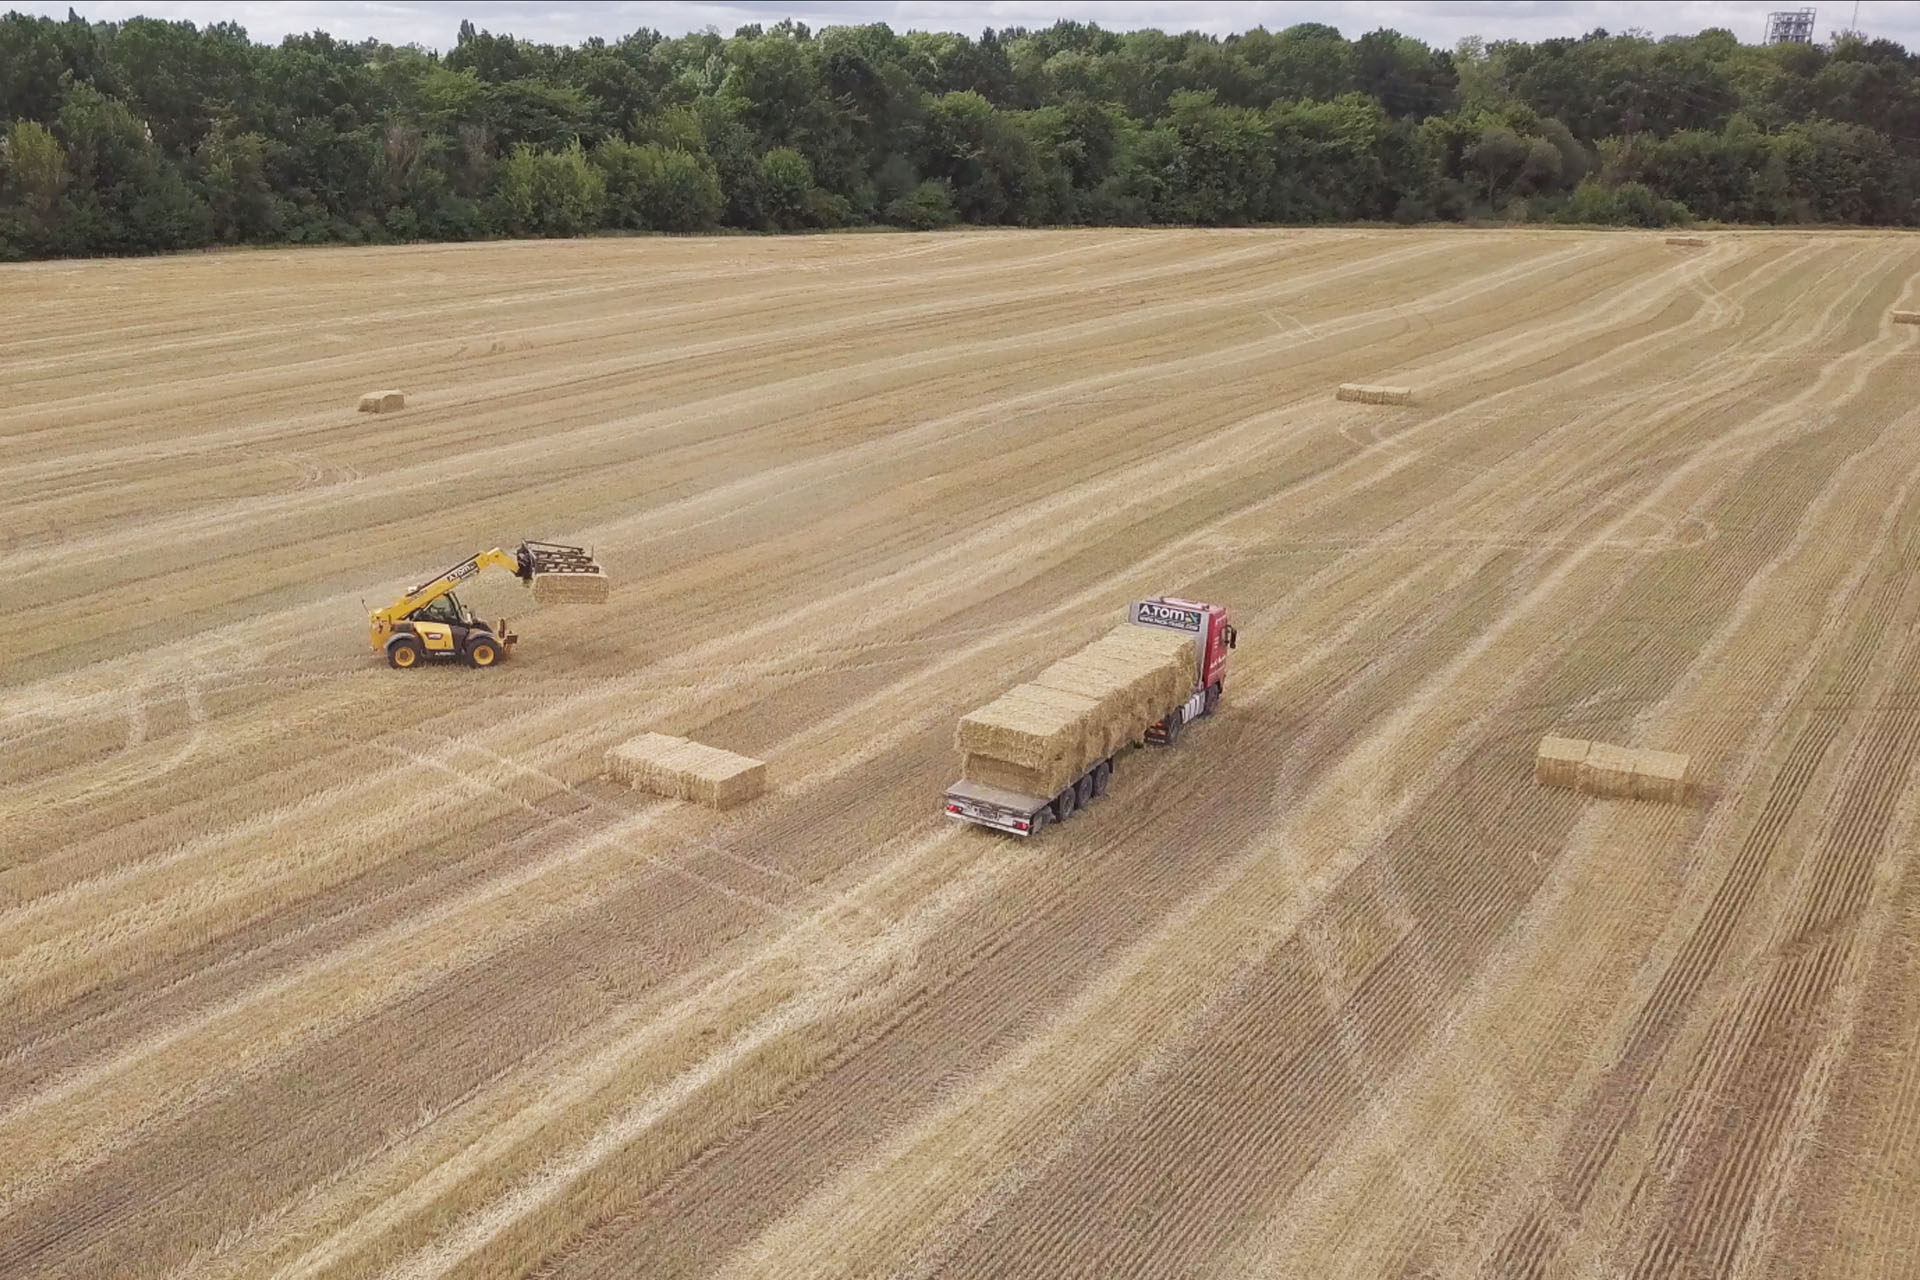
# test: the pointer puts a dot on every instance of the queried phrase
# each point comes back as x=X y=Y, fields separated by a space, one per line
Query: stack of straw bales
x=1602 y=769
x=571 y=588
x=684 y=770
x=1037 y=738
x=1688 y=242
x=1906 y=317
x=382 y=401
x=1364 y=394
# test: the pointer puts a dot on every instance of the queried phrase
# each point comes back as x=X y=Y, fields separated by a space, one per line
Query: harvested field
x=314 y=969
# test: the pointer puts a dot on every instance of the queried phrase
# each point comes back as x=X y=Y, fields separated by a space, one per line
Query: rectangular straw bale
x=382 y=401
x=1557 y=763
x=1107 y=684
x=1688 y=242
x=1029 y=725
x=719 y=779
x=1172 y=664
x=666 y=773
x=627 y=762
x=1045 y=784
x=1607 y=770
x=571 y=588
x=1661 y=775
x=1365 y=394
x=681 y=769
x=1906 y=317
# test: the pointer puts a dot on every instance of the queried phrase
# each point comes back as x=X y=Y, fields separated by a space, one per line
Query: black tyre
x=1102 y=776
x=1038 y=822
x=1176 y=725
x=483 y=651
x=1083 y=790
x=1063 y=805
x=1213 y=699
x=403 y=652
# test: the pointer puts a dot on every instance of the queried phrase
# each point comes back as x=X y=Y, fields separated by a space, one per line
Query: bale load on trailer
x=1044 y=750
x=1906 y=317
x=1602 y=769
x=681 y=769
x=1039 y=733
x=1038 y=738
x=382 y=401
x=1364 y=394
x=1133 y=674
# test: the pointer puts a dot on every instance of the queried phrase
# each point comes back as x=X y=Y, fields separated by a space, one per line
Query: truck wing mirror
x=1233 y=637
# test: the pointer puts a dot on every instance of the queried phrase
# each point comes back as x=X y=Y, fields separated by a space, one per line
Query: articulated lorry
x=1041 y=751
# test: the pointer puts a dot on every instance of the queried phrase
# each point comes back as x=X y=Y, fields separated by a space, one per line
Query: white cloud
x=433 y=22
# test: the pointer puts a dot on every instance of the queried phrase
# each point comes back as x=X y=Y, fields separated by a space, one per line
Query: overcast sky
x=433 y=22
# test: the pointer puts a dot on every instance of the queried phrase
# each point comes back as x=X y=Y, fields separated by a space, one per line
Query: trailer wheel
x=1176 y=724
x=1102 y=775
x=1083 y=790
x=1063 y=805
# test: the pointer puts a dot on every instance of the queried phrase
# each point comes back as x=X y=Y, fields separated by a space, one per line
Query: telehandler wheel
x=482 y=653
x=403 y=653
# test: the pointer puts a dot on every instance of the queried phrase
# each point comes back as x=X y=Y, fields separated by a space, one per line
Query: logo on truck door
x=1156 y=614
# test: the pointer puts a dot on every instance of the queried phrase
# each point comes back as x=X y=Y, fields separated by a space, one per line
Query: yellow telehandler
x=430 y=622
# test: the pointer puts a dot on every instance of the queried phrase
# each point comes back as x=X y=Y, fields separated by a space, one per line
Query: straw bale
x=1688 y=242
x=1107 y=685
x=571 y=588
x=382 y=401
x=1364 y=394
x=1031 y=726
x=1132 y=684
x=1174 y=659
x=1043 y=784
x=1607 y=770
x=1661 y=775
x=1906 y=317
x=681 y=769
x=1557 y=763
x=627 y=761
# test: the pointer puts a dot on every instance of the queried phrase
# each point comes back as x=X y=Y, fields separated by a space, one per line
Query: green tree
x=1499 y=156
x=545 y=193
x=786 y=188
x=655 y=188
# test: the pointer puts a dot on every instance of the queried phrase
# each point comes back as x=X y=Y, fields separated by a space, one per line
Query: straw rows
x=311 y=968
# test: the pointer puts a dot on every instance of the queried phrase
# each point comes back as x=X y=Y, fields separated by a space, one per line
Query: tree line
x=144 y=135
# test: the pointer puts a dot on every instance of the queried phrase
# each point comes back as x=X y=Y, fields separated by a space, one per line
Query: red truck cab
x=1213 y=635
